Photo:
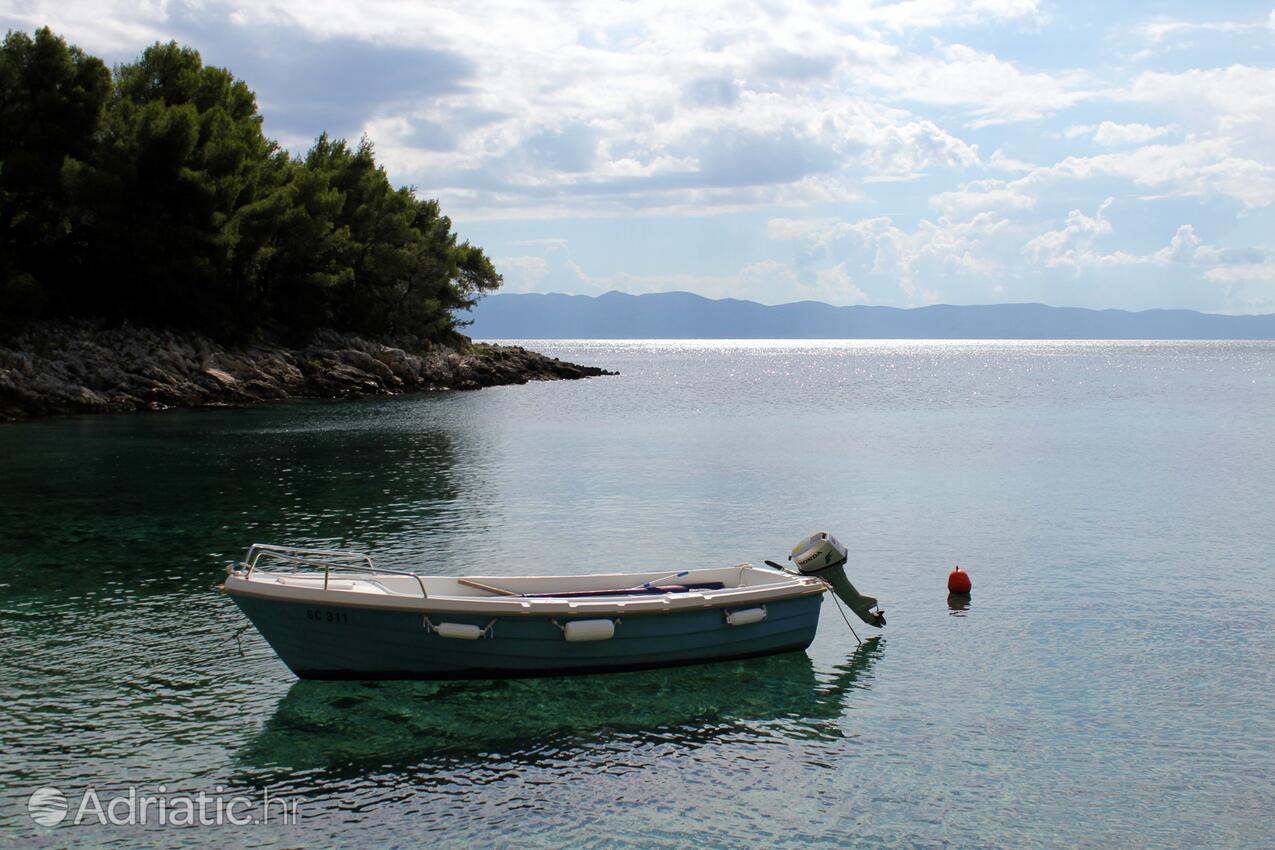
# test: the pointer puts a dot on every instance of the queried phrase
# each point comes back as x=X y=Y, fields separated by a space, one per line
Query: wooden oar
x=487 y=587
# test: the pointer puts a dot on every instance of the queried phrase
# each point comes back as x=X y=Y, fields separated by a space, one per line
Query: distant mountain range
x=683 y=315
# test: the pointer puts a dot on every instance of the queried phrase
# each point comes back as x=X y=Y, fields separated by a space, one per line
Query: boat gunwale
x=520 y=606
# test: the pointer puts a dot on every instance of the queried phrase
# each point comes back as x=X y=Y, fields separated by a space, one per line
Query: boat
x=332 y=614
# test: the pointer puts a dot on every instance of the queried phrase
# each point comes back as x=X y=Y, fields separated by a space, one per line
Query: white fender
x=462 y=631
x=746 y=616
x=589 y=630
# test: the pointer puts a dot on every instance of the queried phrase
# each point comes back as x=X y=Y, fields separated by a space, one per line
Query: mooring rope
x=833 y=593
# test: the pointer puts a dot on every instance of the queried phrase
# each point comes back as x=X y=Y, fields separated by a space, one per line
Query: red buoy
x=958 y=581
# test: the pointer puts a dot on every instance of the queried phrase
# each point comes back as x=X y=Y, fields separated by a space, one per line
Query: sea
x=1109 y=683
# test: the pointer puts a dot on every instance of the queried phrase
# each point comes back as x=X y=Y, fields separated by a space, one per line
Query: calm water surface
x=1110 y=685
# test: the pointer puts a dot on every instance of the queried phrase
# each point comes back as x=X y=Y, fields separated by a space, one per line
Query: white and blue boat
x=334 y=615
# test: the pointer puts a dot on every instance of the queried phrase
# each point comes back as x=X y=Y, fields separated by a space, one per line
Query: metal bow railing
x=264 y=554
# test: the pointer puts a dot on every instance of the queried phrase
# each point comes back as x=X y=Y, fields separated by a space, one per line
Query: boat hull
x=335 y=641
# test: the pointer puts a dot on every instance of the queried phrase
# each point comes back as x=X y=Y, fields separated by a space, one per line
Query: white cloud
x=1073 y=245
x=908 y=148
x=1186 y=248
x=1003 y=162
x=1183 y=246
x=551 y=270
x=924 y=14
x=990 y=248
x=1111 y=134
x=1200 y=168
x=818 y=231
x=1205 y=168
x=1263 y=272
x=1164 y=35
x=834 y=286
x=102 y=26
x=522 y=273
x=1237 y=92
x=907 y=259
x=1160 y=31
x=993 y=91
x=1235 y=104
x=992 y=194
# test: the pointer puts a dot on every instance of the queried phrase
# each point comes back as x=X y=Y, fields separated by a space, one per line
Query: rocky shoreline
x=60 y=369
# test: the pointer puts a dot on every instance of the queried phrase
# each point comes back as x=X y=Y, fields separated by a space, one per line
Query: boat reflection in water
x=435 y=727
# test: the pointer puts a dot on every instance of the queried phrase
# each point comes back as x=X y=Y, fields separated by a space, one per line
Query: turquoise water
x=1110 y=684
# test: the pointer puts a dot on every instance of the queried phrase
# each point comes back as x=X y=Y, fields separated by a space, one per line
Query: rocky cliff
x=82 y=368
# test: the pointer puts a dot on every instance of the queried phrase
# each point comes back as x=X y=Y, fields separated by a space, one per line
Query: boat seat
x=630 y=591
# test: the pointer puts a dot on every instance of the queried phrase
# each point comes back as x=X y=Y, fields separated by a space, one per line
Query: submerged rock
x=82 y=368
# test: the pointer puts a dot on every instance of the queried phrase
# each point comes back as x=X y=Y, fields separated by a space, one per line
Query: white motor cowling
x=818 y=552
x=823 y=556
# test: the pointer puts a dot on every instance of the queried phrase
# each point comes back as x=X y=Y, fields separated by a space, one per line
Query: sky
x=1104 y=155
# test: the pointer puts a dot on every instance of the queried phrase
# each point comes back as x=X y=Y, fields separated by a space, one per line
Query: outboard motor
x=822 y=556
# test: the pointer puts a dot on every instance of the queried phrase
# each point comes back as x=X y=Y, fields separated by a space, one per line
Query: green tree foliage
x=51 y=102
x=153 y=195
